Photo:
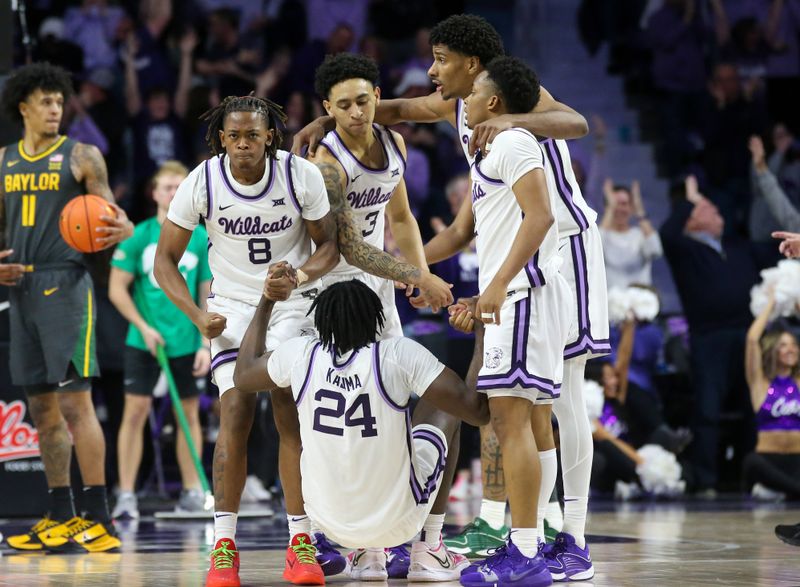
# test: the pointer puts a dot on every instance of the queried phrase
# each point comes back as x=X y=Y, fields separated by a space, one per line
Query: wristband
x=302 y=277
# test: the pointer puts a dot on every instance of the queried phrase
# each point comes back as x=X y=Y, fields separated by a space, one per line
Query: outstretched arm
x=89 y=168
x=453 y=238
x=326 y=255
x=753 y=367
x=251 y=375
x=623 y=362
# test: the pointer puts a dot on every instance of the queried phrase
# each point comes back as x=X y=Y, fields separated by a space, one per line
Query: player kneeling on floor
x=371 y=475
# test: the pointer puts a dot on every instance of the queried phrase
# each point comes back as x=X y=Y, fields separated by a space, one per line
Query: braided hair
x=349 y=316
x=269 y=110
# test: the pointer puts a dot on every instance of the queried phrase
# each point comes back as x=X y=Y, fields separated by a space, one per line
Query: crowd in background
x=712 y=80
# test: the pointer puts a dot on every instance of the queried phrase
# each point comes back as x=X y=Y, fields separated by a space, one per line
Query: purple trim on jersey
x=359 y=163
x=563 y=186
x=347 y=363
x=518 y=377
x=416 y=488
x=486 y=178
x=307 y=378
x=291 y=184
x=376 y=372
x=335 y=156
x=522 y=316
x=209 y=195
x=247 y=198
x=223 y=357
x=397 y=149
x=430 y=483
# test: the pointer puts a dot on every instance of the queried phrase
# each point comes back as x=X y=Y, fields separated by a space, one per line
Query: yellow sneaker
x=82 y=535
x=33 y=540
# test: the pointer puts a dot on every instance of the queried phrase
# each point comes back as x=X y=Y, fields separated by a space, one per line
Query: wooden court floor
x=653 y=545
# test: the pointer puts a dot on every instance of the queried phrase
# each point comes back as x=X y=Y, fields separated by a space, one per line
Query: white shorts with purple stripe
x=585 y=272
x=288 y=320
x=523 y=356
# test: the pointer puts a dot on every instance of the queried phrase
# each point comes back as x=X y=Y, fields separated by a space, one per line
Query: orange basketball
x=79 y=219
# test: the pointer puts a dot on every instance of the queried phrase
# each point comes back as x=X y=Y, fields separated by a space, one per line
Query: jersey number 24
x=333 y=415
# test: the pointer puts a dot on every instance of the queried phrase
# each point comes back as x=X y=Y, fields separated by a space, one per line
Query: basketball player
x=53 y=310
x=462 y=45
x=259 y=203
x=154 y=321
x=360 y=452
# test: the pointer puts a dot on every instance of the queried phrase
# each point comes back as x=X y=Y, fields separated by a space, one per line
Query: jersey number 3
x=366 y=420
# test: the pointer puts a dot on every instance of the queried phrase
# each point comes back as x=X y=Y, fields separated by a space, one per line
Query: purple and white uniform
x=611 y=420
x=781 y=408
x=579 y=246
x=368 y=191
x=369 y=479
x=250 y=227
x=523 y=354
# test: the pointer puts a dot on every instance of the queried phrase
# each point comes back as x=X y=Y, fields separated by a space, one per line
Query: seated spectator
x=713 y=273
x=54 y=48
x=629 y=251
x=772 y=365
x=158 y=128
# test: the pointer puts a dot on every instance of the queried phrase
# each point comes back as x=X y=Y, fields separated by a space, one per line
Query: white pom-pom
x=644 y=303
x=593 y=398
x=618 y=305
x=785 y=280
x=660 y=473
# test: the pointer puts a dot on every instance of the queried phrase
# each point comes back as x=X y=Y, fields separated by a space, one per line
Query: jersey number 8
x=259 y=251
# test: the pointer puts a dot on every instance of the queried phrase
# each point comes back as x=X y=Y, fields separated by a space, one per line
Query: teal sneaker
x=477 y=539
x=550 y=533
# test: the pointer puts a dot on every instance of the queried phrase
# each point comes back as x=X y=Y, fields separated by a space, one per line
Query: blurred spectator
x=325 y=16
x=229 y=66
x=629 y=251
x=300 y=110
x=783 y=64
x=422 y=52
x=713 y=273
x=772 y=365
x=772 y=208
x=55 y=49
x=590 y=175
x=81 y=127
x=152 y=63
x=785 y=160
x=97 y=28
x=309 y=58
x=418 y=182
x=373 y=47
x=158 y=130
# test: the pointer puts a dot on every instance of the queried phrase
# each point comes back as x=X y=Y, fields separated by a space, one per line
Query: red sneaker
x=302 y=567
x=224 y=571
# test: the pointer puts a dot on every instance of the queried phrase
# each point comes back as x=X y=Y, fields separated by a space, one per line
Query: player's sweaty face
x=245 y=137
x=450 y=73
x=352 y=103
x=42 y=112
x=476 y=105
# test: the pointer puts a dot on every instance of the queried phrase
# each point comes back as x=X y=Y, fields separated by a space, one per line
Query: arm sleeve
x=778 y=202
x=516 y=153
x=283 y=359
x=416 y=365
x=310 y=189
x=190 y=201
x=127 y=254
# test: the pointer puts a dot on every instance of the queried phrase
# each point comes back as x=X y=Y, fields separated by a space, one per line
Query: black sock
x=95 y=503
x=62 y=507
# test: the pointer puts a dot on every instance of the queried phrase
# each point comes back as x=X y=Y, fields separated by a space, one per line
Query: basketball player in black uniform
x=53 y=309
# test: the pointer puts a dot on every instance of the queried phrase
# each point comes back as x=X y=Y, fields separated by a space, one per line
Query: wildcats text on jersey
x=250 y=225
x=370 y=197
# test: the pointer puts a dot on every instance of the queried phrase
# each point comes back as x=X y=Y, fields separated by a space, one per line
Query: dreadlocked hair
x=349 y=316
x=26 y=80
x=269 y=110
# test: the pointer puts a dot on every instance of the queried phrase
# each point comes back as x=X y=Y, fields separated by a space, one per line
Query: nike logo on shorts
x=50 y=291
x=65 y=383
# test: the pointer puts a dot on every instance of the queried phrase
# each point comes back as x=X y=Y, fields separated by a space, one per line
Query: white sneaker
x=367 y=565
x=254 y=490
x=435 y=564
x=127 y=506
x=764 y=493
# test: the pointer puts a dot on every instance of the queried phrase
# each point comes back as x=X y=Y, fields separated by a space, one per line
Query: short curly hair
x=26 y=80
x=344 y=66
x=516 y=82
x=469 y=35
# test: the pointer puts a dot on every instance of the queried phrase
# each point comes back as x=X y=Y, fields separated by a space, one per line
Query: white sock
x=549 y=463
x=313 y=529
x=298 y=524
x=576 y=449
x=553 y=514
x=526 y=540
x=432 y=530
x=225 y=525
x=493 y=512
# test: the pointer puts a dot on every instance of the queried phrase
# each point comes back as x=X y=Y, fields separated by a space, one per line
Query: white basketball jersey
x=359 y=482
x=251 y=227
x=368 y=190
x=498 y=216
x=572 y=213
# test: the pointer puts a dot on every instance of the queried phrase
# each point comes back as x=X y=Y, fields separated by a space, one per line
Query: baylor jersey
x=36 y=190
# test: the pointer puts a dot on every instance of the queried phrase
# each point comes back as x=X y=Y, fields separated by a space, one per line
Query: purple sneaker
x=331 y=561
x=397 y=561
x=507 y=567
x=567 y=561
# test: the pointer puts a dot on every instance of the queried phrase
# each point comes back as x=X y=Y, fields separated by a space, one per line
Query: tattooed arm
x=89 y=168
x=10 y=273
x=365 y=256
